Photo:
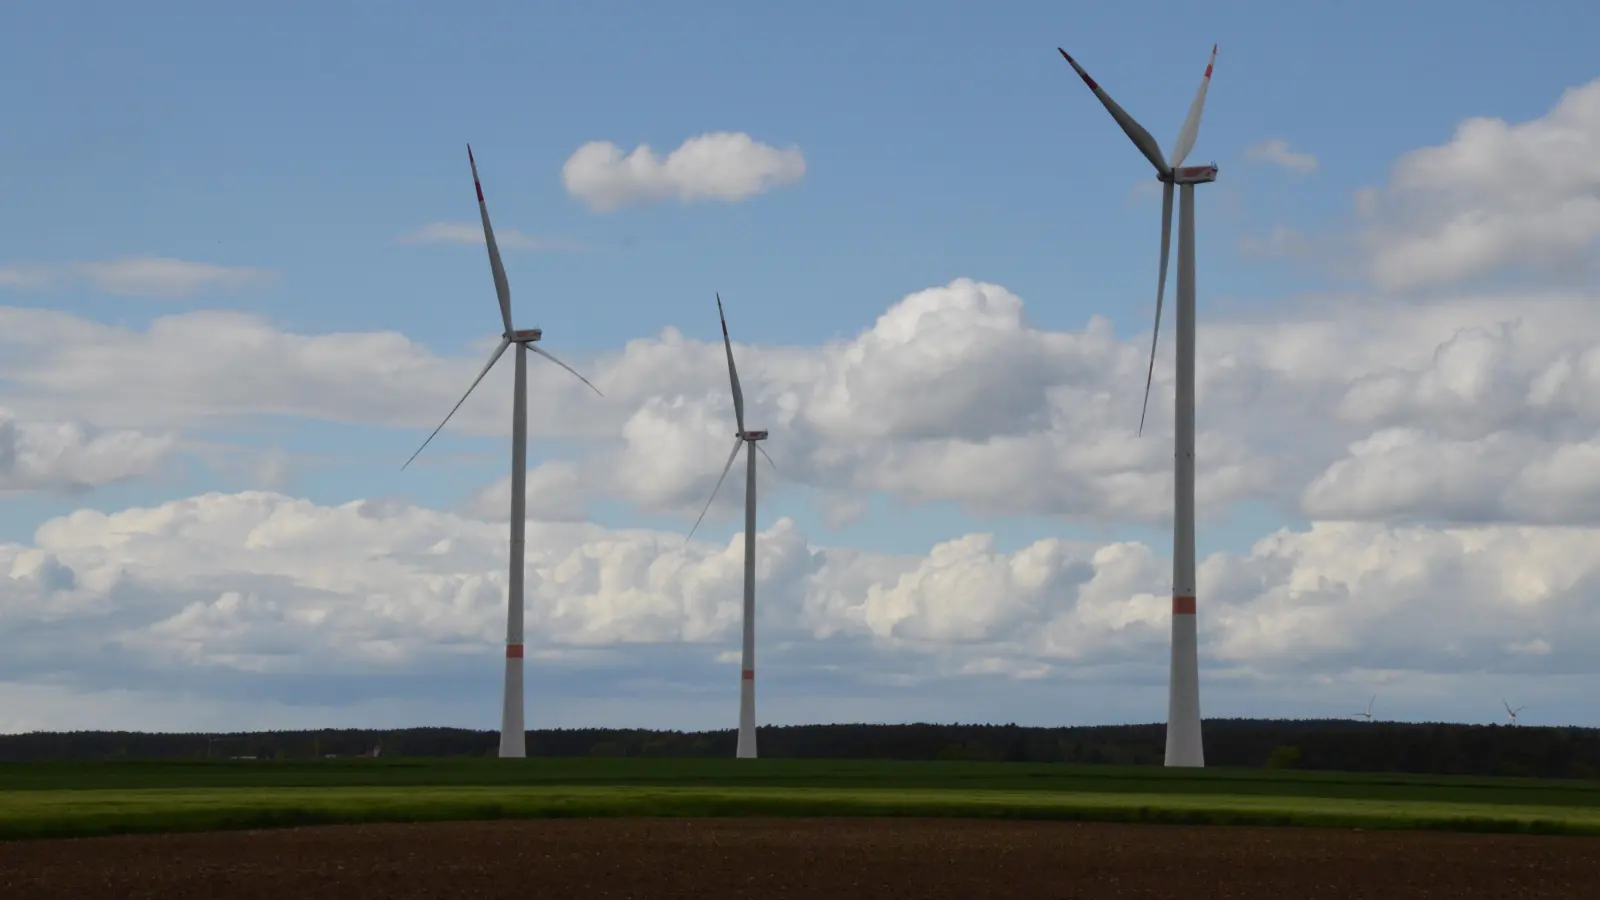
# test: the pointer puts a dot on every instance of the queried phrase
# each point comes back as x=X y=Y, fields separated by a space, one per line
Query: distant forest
x=1303 y=744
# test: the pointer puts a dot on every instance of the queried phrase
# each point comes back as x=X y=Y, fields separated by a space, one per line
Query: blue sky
x=941 y=140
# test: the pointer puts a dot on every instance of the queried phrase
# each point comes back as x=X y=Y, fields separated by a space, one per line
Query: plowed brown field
x=834 y=859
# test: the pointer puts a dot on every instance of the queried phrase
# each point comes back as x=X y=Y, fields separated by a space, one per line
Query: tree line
x=1427 y=748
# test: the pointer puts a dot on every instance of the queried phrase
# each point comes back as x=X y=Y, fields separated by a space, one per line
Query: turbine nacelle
x=1191 y=175
x=751 y=435
x=524 y=335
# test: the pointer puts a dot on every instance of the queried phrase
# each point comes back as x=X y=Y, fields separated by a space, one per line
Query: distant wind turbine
x=512 y=731
x=1368 y=714
x=1512 y=713
x=746 y=748
x=1184 y=745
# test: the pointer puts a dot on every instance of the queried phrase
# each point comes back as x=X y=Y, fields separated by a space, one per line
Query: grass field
x=73 y=799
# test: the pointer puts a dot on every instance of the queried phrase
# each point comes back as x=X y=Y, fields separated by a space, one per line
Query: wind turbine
x=1368 y=714
x=746 y=748
x=1512 y=712
x=1184 y=745
x=512 y=731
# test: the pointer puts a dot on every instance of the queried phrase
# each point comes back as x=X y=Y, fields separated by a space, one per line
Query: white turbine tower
x=512 y=731
x=747 y=665
x=1512 y=713
x=1368 y=714
x=1184 y=745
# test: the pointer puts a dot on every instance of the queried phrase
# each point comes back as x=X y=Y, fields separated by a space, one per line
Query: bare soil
x=834 y=859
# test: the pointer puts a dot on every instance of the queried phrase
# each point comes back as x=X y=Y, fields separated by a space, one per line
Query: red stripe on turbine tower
x=1183 y=606
x=748 y=674
x=513 y=651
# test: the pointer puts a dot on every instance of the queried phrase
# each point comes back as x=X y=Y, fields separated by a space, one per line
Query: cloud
x=1282 y=242
x=152 y=277
x=1276 y=152
x=25 y=277
x=557 y=491
x=160 y=277
x=1496 y=196
x=950 y=396
x=65 y=456
x=272 y=469
x=255 y=593
x=1406 y=474
x=723 y=165
x=472 y=233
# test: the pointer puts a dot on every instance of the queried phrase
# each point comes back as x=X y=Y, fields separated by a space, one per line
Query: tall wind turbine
x=1184 y=746
x=748 y=439
x=1512 y=713
x=512 y=731
x=1368 y=714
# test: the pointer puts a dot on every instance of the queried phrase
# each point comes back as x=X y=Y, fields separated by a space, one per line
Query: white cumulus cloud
x=212 y=594
x=57 y=455
x=139 y=276
x=1496 y=196
x=1276 y=152
x=723 y=165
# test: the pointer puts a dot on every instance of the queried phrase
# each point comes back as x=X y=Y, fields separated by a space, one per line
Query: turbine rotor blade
x=769 y=458
x=1191 y=125
x=544 y=353
x=731 y=457
x=733 y=373
x=502 y=287
x=1135 y=132
x=1161 y=289
x=493 y=358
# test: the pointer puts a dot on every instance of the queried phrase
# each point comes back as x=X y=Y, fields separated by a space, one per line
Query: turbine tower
x=512 y=730
x=749 y=440
x=1184 y=745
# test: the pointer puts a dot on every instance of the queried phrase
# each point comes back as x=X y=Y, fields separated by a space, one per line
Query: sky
x=241 y=279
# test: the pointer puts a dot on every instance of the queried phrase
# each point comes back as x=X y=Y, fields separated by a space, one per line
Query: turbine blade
x=1135 y=132
x=493 y=358
x=1161 y=290
x=542 y=352
x=731 y=457
x=502 y=287
x=1191 y=125
x=733 y=373
x=769 y=458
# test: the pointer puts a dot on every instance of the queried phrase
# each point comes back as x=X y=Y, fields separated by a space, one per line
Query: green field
x=71 y=799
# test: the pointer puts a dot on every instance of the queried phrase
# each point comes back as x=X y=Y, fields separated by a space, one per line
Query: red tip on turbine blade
x=1213 y=57
x=474 y=163
x=1079 y=69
